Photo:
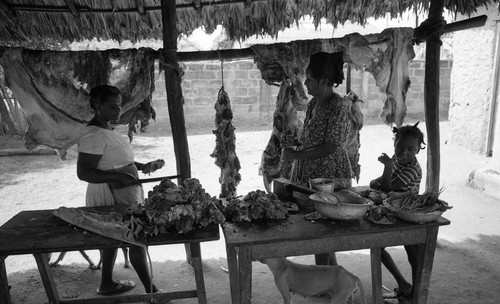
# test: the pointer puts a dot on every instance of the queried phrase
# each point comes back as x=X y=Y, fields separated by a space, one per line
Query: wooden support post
x=431 y=98
x=174 y=92
x=4 y=283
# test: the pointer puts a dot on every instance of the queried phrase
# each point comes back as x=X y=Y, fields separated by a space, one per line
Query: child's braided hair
x=409 y=130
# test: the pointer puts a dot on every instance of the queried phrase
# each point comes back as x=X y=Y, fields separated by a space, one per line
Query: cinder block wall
x=253 y=100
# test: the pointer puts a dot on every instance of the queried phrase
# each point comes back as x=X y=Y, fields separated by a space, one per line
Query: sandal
x=119 y=287
x=396 y=294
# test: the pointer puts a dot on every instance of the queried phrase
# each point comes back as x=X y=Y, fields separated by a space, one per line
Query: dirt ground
x=467 y=259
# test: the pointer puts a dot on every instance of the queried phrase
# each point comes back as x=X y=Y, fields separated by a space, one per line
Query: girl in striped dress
x=401 y=173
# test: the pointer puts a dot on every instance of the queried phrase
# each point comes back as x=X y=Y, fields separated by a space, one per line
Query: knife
x=155 y=179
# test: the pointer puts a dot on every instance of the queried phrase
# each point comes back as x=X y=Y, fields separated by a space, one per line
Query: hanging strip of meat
x=225 y=146
x=286 y=124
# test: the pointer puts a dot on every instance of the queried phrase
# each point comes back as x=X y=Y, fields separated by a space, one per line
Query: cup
x=322 y=184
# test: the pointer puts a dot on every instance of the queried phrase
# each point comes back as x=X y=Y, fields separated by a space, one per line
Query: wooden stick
x=465 y=24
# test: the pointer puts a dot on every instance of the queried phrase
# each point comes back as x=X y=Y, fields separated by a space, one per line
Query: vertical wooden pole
x=174 y=92
x=431 y=98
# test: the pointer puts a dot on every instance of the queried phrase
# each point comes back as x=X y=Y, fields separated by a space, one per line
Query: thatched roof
x=36 y=24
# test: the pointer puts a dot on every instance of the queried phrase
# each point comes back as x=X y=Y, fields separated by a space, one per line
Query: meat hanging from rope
x=225 y=146
x=286 y=124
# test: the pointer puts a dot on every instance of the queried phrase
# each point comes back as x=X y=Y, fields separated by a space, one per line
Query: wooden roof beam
x=87 y=10
x=72 y=7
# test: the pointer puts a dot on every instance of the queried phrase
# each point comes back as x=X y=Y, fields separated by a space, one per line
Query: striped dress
x=409 y=174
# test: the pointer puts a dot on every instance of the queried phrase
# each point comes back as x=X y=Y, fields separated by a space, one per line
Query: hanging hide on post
x=225 y=146
x=52 y=88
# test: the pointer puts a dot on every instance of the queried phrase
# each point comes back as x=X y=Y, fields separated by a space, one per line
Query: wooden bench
x=39 y=232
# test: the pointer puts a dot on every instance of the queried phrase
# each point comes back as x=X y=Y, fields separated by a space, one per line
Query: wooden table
x=40 y=232
x=295 y=236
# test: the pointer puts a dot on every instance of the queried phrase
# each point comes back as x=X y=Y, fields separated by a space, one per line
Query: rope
x=221 y=67
x=168 y=61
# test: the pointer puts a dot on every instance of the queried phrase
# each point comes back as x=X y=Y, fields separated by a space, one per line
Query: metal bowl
x=414 y=217
x=340 y=206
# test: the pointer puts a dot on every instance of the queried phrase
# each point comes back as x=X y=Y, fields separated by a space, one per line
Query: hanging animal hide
x=386 y=56
x=52 y=88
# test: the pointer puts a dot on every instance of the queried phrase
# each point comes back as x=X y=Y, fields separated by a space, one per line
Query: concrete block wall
x=253 y=101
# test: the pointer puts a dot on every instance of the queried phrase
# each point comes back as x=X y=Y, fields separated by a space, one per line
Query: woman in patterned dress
x=322 y=150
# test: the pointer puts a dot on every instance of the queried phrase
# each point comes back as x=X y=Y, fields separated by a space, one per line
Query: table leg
x=245 y=274
x=187 y=247
x=232 y=266
x=195 y=252
x=424 y=266
x=376 y=263
x=4 y=283
x=46 y=274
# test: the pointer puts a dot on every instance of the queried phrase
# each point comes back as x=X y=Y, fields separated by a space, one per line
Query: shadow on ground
x=462 y=274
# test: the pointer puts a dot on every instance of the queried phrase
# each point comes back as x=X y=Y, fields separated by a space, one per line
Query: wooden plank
x=39 y=231
x=295 y=228
x=42 y=262
x=66 y=238
x=232 y=265
x=225 y=55
x=337 y=243
x=431 y=98
x=198 y=272
x=4 y=283
x=174 y=92
x=424 y=268
x=164 y=297
x=245 y=274
x=376 y=267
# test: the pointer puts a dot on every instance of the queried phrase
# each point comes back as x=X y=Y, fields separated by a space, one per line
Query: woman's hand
x=124 y=180
x=153 y=166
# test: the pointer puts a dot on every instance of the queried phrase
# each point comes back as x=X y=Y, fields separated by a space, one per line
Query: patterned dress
x=330 y=124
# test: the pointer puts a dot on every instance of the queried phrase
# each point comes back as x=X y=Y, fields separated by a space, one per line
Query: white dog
x=314 y=280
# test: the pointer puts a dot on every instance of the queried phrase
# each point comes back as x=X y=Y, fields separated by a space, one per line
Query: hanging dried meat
x=286 y=124
x=52 y=88
x=353 y=140
x=225 y=146
x=386 y=56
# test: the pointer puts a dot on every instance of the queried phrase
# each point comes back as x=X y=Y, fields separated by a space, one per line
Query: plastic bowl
x=322 y=184
x=340 y=206
x=414 y=217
